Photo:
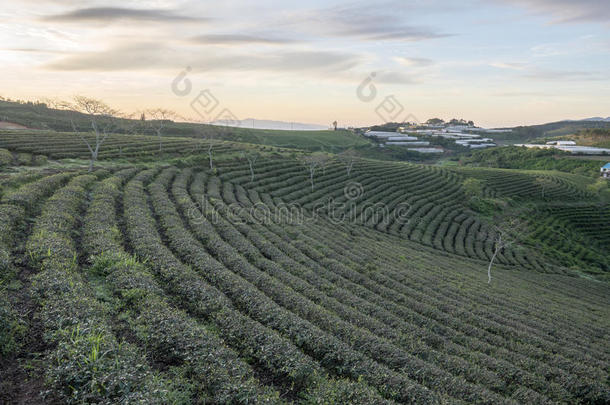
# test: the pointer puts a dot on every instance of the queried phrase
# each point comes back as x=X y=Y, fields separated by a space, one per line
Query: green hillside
x=42 y=117
x=513 y=157
x=155 y=279
x=522 y=134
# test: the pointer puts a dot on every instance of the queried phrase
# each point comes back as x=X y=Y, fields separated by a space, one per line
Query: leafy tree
x=473 y=187
x=601 y=188
x=435 y=121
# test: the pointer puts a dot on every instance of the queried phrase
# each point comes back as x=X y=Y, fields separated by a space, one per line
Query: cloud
x=414 y=62
x=380 y=21
x=33 y=50
x=568 y=11
x=238 y=39
x=508 y=65
x=152 y=56
x=110 y=14
x=393 y=77
x=521 y=94
x=565 y=75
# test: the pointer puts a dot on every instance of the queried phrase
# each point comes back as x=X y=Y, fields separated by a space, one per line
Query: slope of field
x=40 y=116
x=425 y=204
x=521 y=158
x=167 y=284
x=544 y=185
x=326 y=140
x=60 y=145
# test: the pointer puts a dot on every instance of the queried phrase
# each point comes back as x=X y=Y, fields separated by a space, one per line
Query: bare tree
x=158 y=118
x=335 y=125
x=54 y=103
x=507 y=231
x=312 y=162
x=209 y=136
x=251 y=157
x=348 y=158
x=130 y=124
x=324 y=160
x=102 y=118
x=210 y=146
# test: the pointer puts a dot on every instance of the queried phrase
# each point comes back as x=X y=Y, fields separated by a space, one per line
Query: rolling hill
x=158 y=279
x=39 y=116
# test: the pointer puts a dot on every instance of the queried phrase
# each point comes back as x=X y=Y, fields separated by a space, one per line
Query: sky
x=496 y=62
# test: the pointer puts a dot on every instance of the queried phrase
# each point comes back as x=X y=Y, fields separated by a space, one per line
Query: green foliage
x=523 y=134
x=487 y=207
x=472 y=187
x=159 y=286
x=24 y=159
x=40 y=116
x=6 y=158
x=13 y=329
x=531 y=159
x=39 y=160
x=601 y=188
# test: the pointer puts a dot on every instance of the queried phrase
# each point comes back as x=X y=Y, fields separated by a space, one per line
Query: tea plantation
x=157 y=279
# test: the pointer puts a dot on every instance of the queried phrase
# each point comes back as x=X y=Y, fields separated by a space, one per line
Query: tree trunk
x=490 y=264
x=251 y=173
x=210 y=155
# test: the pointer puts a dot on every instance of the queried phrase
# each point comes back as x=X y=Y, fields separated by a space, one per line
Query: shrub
x=13 y=328
x=24 y=159
x=87 y=364
x=6 y=158
x=39 y=160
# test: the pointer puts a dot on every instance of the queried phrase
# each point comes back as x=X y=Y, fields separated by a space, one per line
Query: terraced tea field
x=166 y=284
x=60 y=145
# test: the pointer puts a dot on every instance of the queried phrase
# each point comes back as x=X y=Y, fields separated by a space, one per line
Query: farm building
x=422 y=143
x=481 y=145
x=426 y=150
x=605 y=170
x=574 y=149
x=584 y=150
x=380 y=134
x=562 y=143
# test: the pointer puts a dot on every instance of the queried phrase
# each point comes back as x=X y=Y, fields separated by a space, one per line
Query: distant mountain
x=270 y=124
x=607 y=119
